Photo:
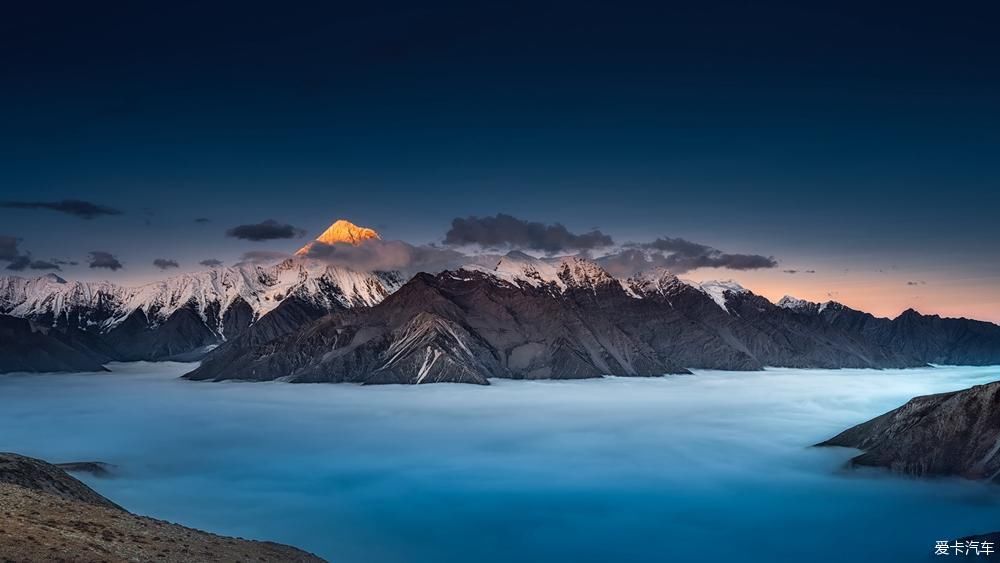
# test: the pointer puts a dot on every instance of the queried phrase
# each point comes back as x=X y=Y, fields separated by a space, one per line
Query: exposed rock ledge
x=949 y=434
x=50 y=516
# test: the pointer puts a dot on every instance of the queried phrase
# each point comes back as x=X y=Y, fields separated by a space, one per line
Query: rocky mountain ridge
x=948 y=434
x=187 y=313
x=528 y=318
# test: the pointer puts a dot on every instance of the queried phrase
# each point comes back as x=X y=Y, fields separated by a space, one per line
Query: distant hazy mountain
x=527 y=318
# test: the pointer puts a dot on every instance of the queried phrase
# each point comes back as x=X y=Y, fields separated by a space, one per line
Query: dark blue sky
x=843 y=136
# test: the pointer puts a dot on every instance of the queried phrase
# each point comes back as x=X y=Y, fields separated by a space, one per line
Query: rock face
x=27 y=347
x=949 y=434
x=530 y=319
x=50 y=516
x=182 y=316
x=34 y=474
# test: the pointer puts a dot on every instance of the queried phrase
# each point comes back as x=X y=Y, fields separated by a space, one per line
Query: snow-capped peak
x=656 y=280
x=801 y=305
x=718 y=290
x=516 y=266
x=558 y=273
x=580 y=272
x=789 y=302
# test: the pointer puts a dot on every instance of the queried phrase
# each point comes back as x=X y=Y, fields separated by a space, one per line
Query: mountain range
x=528 y=318
x=520 y=317
x=179 y=318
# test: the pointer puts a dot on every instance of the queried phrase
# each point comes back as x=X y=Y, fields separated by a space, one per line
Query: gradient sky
x=861 y=141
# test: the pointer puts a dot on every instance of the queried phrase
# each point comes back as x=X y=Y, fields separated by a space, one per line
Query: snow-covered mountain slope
x=658 y=281
x=518 y=268
x=558 y=274
x=561 y=274
x=209 y=294
x=803 y=306
x=719 y=291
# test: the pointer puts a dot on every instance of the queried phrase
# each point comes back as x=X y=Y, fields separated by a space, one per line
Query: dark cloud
x=679 y=256
x=75 y=207
x=211 y=263
x=674 y=245
x=508 y=231
x=388 y=255
x=164 y=264
x=9 y=252
x=790 y=271
x=25 y=262
x=101 y=259
x=44 y=265
x=266 y=230
x=799 y=271
x=261 y=257
x=8 y=248
x=202 y=220
x=916 y=283
x=65 y=262
x=19 y=263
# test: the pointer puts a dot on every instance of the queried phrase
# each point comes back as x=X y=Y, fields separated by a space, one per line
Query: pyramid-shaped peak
x=53 y=278
x=343 y=231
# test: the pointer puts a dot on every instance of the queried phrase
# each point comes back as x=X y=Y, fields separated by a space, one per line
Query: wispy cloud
x=76 y=207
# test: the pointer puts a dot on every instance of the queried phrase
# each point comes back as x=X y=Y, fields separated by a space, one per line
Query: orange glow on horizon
x=883 y=294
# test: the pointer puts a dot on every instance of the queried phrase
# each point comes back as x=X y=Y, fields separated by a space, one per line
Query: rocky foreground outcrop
x=949 y=434
x=47 y=515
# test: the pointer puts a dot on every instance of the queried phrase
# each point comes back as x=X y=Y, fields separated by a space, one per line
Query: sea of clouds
x=710 y=467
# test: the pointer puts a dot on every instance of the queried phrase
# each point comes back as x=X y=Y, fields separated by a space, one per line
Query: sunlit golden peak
x=343 y=232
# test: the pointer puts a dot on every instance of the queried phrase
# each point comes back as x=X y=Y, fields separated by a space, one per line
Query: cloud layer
x=261 y=257
x=75 y=207
x=388 y=255
x=265 y=230
x=503 y=230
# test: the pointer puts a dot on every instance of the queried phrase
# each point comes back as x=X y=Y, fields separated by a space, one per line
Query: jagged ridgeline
x=178 y=318
x=525 y=318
